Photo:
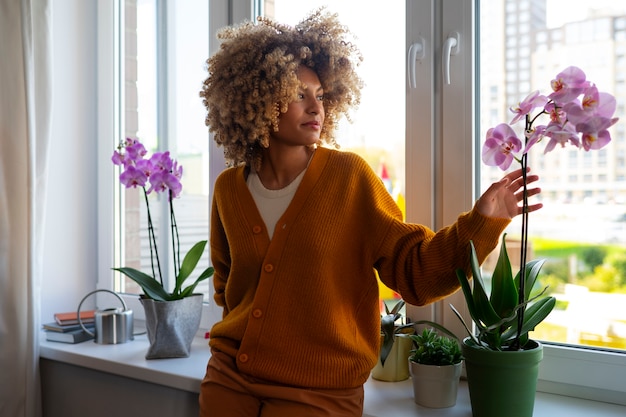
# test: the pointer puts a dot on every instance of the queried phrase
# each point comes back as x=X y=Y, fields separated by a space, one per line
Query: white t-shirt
x=271 y=203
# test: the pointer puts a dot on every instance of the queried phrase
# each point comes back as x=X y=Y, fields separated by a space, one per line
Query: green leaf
x=469 y=332
x=537 y=312
x=485 y=312
x=396 y=308
x=191 y=288
x=189 y=264
x=532 y=272
x=148 y=284
x=504 y=295
x=467 y=292
x=388 y=329
x=388 y=337
x=439 y=327
x=533 y=315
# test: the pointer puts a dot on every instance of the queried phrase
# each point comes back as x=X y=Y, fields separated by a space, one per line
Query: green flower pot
x=502 y=383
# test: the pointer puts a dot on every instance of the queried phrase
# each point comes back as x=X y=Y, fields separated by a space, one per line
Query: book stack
x=65 y=327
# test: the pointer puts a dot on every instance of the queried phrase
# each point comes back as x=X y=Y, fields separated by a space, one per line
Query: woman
x=298 y=229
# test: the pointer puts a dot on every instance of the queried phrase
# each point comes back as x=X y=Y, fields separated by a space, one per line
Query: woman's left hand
x=502 y=198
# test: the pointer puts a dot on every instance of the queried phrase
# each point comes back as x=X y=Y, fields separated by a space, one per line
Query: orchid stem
x=175 y=237
x=154 y=252
x=524 y=241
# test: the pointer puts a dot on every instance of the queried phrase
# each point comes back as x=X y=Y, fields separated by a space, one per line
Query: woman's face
x=303 y=121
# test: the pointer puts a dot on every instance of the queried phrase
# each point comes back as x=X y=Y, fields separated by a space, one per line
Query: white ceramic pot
x=435 y=386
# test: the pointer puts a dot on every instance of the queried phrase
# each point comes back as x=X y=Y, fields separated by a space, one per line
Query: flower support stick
x=175 y=237
x=524 y=237
x=152 y=240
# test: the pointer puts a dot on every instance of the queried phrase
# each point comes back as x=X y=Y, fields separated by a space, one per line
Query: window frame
x=441 y=121
x=566 y=370
x=111 y=122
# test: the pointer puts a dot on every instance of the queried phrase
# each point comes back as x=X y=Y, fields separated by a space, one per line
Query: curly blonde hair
x=252 y=79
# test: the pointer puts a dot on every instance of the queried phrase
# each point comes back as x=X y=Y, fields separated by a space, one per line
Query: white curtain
x=24 y=132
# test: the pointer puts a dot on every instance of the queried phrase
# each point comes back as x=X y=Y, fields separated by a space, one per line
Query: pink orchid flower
x=561 y=134
x=557 y=114
x=133 y=177
x=594 y=132
x=162 y=181
x=532 y=101
x=500 y=146
x=145 y=166
x=593 y=104
x=177 y=170
x=569 y=84
x=135 y=149
x=162 y=161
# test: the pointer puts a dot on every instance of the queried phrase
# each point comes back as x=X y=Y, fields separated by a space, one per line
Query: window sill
x=381 y=398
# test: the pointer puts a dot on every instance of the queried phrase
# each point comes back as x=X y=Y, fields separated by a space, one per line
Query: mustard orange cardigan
x=302 y=309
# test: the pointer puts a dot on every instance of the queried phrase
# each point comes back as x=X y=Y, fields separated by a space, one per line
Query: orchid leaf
x=189 y=264
x=532 y=272
x=486 y=314
x=148 y=284
x=207 y=273
x=469 y=332
x=467 y=292
x=537 y=312
x=504 y=294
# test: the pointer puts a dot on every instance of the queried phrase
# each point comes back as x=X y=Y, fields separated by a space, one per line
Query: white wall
x=70 y=246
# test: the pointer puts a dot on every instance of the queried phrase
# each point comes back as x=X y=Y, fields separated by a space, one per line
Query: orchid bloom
x=162 y=161
x=557 y=114
x=501 y=145
x=568 y=85
x=561 y=135
x=594 y=132
x=594 y=104
x=145 y=166
x=133 y=177
x=163 y=181
x=160 y=171
x=135 y=149
x=532 y=101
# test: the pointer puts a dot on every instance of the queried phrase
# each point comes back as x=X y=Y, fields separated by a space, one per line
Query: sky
x=562 y=11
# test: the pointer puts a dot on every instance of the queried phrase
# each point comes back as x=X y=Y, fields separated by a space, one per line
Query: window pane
x=377 y=131
x=581 y=231
x=163 y=76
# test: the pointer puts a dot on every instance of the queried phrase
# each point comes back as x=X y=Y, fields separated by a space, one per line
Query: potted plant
x=395 y=345
x=501 y=360
x=435 y=365
x=172 y=317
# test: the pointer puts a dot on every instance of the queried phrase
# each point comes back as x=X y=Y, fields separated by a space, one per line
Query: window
x=162 y=76
x=444 y=176
x=381 y=142
x=582 y=196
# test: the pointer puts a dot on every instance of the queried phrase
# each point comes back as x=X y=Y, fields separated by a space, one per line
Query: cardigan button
x=268 y=268
x=256 y=229
x=243 y=358
x=257 y=313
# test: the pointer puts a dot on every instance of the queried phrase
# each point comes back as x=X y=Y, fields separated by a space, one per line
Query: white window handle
x=451 y=46
x=417 y=51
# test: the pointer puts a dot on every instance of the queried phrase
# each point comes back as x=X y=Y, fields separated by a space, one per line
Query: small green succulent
x=430 y=348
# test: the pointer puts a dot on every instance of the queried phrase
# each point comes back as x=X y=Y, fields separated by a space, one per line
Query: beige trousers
x=227 y=393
